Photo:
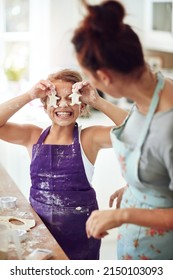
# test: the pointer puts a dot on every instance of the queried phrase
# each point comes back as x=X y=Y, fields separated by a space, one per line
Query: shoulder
x=98 y=136
x=35 y=132
x=86 y=133
x=93 y=131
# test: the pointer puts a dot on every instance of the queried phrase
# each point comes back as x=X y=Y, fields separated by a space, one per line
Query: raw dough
x=26 y=223
x=75 y=97
x=53 y=99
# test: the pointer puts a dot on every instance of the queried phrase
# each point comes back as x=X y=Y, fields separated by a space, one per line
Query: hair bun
x=109 y=13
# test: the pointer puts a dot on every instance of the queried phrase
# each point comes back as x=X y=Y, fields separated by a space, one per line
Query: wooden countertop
x=37 y=237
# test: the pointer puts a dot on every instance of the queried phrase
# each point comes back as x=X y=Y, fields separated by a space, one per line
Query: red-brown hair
x=103 y=40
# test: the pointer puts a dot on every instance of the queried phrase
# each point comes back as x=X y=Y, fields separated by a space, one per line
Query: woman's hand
x=41 y=89
x=89 y=94
x=100 y=222
x=118 y=196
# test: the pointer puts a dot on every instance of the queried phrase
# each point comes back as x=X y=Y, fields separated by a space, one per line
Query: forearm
x=90 y=96
x=154 y=218
x=10 y=107
x=116 y=114
x=100 y=222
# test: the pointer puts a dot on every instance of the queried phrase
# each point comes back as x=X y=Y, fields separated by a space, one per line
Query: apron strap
x=46 y=132
x=152 y=108
x=43 y=135
x=75 y=134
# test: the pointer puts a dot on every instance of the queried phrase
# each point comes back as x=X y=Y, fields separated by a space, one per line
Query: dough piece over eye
x=53 y=99
x=25 y=224
x=75 y=97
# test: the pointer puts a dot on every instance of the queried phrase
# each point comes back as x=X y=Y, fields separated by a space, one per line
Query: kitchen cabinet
x=158 y=28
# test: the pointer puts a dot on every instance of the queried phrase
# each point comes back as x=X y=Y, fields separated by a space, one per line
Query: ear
x=82 y=106
x=104 y=76
x=84 y=112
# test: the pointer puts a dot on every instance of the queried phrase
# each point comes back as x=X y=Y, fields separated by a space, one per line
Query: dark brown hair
x=102 y=40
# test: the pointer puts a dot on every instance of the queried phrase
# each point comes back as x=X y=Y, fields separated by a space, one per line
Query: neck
x=141 y=91
x=148 y=84
x=60 y=134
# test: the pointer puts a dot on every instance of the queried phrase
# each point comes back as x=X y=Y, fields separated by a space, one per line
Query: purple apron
x=62 y=196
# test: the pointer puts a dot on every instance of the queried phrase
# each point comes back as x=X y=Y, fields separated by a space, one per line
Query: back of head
x=103 y=40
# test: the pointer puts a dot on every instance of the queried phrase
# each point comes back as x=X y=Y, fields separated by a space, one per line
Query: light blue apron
x=135 y=242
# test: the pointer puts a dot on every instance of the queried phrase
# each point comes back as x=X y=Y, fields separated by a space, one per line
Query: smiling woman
x=62 y=157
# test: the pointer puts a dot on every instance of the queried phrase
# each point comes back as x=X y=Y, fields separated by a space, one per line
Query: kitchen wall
x=63 y=21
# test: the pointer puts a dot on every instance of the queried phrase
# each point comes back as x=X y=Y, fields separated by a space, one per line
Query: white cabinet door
x=158 y=26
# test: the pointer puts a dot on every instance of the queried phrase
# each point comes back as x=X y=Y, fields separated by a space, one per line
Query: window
x=24 y=39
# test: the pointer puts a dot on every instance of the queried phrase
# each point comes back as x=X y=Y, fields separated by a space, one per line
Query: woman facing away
x=111 y=56
x=62 y=157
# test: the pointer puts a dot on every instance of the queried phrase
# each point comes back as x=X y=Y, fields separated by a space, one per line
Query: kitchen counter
x=38 y=236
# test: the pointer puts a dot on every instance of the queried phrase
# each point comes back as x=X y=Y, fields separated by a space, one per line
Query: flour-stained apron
x=62 y=196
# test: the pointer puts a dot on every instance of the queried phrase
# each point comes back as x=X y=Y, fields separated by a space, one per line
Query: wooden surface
x=38 y=236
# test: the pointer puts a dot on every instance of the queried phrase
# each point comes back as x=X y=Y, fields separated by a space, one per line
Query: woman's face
x=94 y=81
x=65 y=113
x=99 y=82
x=110 y=82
